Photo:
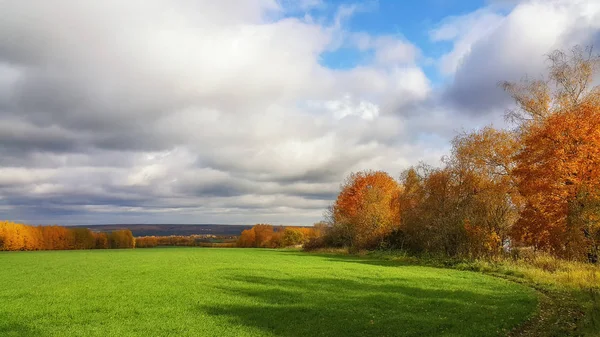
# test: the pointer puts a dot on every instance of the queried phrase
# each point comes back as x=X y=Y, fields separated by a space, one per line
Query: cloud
x=386 y=49
x=509 y=47
x=389 y=50
x=463 y=32
x=185 y=111
x=223 y=111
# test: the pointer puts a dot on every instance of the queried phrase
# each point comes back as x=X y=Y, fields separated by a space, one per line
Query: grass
x=569 y=291
x=247 y=292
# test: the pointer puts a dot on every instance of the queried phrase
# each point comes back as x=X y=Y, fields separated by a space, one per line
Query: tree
x=293 y=236
x=410 y=202
x=121 y=239
x=57 y=238
x=568 y=85
x=483 y=163
x=366 y=210
x=100 y=240
x=83 y=238
x=146 y=242
x=14 y=236
x=558 y=174
x=467 y=206
x=263 y=234
x=557 y=165
x=247 y=239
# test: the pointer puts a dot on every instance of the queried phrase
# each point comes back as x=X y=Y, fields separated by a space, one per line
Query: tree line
x=184 y=241
x=268 y=236
x=537 y=185
x=15 y=236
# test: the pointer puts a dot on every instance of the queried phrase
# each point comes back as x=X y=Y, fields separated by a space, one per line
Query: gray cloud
x=204 y=111
x=514 y=47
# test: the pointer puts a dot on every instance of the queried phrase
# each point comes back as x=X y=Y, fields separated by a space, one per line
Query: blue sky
x=248 y=111
x=409 y=20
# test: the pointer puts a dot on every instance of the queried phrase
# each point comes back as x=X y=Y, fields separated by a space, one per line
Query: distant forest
x=173 y=229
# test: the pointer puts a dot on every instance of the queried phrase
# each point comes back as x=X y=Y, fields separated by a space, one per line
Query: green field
x=247 y=292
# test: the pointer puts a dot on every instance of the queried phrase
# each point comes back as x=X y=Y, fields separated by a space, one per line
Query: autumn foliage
x=14 y=236
x=366 y=210
x=536 y=186
x=182 y=241
x=558 y=174
x=268 y=236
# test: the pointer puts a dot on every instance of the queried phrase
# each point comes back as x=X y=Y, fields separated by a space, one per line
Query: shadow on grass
x=367 y=306
x=14 y=326
x=333 y=257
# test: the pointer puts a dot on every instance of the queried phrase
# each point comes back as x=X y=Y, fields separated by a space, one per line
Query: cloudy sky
x=245 y=111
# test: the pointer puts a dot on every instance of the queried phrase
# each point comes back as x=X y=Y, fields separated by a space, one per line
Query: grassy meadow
x=247 y=292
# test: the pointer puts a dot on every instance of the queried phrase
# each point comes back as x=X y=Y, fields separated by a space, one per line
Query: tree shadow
x=352 y=259
x=11 y=325
x=366 y=306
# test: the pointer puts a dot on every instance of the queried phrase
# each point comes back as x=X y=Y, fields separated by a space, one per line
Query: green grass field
x=247 y=292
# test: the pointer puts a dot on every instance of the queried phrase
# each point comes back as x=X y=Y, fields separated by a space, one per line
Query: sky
x=248 y=111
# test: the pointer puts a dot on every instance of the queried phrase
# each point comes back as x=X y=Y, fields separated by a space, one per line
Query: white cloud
x=345 y=106
x=464 y=32
x=221 y=111
x=514 y=47
x=387 y=49
x=190 y=111
x=390 y=50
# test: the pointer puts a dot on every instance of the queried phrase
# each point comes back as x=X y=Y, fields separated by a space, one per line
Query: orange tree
x=366 y=210
x=557 y=165
x=559 y=175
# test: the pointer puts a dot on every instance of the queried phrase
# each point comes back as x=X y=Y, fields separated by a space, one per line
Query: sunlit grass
x=247 y=292
x=571 y=289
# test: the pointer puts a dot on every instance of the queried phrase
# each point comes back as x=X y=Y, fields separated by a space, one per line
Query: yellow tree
x=410 y=202
x=482 y=162
x=293 y=236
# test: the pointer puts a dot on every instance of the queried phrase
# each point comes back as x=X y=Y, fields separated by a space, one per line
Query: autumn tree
x=435 y=204
x=83 y=238
x=147 y=242
x=263 y=233
x=121 y=239
x=538 y=184
x=366 y=210
x=319 y=236
x=268 y=236
x=56 y=237
x=15 y=236
x=247 y=239
x=442 y=215
x=410 y=203
x=483 y=164
x=558 y=174
x=557 y=165
x=465 y=207
x=276 y=240
x=100 y=240
x=260 y=235
x=293 y=236
x=569 y=83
